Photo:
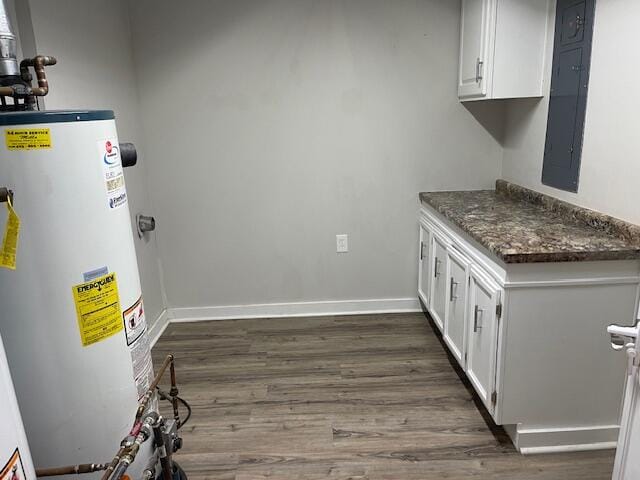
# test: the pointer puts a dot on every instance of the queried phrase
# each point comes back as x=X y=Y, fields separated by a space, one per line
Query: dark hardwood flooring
x=350 y=397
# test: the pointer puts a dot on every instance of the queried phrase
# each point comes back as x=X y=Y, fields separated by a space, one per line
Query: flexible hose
x=164 y=396
x=188 y=407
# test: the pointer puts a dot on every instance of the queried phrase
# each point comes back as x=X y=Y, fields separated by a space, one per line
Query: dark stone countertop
x=519 y=225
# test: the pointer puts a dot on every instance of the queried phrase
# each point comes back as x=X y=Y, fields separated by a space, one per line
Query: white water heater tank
x=72 y=314
x=15 y=458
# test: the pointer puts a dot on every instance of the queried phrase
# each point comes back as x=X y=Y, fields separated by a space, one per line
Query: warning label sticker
x=98 y=309
x=134 y=321
x=135 y=327
x=9 y=247
x=13 y=468
x=143 y=381
x=27 y=138
x=140 y=355
x=113 y=173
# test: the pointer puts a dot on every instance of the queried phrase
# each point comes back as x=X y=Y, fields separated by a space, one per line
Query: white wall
x=276 y=124
x=610 y=169
x=91 y=41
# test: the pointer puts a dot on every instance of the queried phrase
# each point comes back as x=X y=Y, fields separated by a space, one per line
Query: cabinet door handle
x=436 y=270
x=453 y=286
x=477 y=317
x=479 y=64
x=421 y=250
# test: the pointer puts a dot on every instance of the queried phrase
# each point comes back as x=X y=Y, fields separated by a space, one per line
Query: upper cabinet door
x=424 y=272
x=502 y=48
x=482 y=343
x=474 y=46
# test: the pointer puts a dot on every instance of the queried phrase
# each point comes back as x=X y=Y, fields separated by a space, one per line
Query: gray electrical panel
x=568 y=96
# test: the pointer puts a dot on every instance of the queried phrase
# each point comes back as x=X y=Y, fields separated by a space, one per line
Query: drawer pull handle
x=453 y=288
x=477 y=317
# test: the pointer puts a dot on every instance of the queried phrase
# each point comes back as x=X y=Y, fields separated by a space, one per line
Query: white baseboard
x=531 y=441
x=300 y=309
x=158 y=327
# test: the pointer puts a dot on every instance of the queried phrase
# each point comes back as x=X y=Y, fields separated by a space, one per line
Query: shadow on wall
x=492 y=114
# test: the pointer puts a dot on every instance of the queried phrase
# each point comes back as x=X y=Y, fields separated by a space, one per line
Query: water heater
x=15 y=458
x=72 y=317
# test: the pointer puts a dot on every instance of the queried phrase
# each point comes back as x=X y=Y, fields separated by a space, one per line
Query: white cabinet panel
x=424 y=270
x=482 y=341
x=456 y=313
x=439 y=281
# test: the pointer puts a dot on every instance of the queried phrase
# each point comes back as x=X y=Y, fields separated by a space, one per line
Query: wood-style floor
x=354 y=397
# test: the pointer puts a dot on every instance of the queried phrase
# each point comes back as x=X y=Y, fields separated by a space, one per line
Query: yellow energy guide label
x=27 y=138
x=98 y=308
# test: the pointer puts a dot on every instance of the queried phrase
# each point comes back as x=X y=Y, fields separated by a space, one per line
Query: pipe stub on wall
x=145 y=224
x=5 y=194
x=128 y=154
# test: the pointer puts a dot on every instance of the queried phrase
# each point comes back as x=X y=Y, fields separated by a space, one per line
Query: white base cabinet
x=531 y=337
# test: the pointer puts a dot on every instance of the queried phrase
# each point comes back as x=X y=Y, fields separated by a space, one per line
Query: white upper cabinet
x=502 y=48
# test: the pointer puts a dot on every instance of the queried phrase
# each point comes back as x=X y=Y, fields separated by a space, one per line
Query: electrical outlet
x=342 y=243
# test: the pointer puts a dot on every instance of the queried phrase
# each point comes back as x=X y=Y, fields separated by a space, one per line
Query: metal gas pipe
x=15 y=82
x=146 y=424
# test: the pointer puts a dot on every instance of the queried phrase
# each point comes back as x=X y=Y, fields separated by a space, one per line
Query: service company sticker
x=113 y=174
x=27 y=138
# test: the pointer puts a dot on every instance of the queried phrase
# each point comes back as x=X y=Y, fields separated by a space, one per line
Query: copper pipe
x=144 y=433
x=152 y=388
x=112 y=465
x=27 y=91
x=172 y=372
x=70 y=470
x=142 y=407
x=174 y=393
x=38 y=63
x=167 y=361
